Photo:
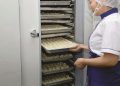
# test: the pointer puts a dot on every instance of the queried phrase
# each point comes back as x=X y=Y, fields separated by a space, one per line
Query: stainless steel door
x=30 y=45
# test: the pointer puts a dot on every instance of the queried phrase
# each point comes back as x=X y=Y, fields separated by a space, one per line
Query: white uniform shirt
x=106 y=36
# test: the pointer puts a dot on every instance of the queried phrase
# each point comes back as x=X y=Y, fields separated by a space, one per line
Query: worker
x=104 y=45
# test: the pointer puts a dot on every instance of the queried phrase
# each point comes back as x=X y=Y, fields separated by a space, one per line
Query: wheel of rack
x=57 y=24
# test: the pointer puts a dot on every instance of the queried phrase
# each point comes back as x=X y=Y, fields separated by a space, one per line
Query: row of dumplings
x=55 y=66
x=56 y=78
x=62 y=56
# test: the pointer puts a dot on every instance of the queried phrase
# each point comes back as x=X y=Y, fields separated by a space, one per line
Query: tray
x=57 y=83
x=55 y=3
x=46 y=58
x=55 y=9
x=54 y=35
x=58 y=67
x=48 y=29
x=56 y=21
x=56 y=60
x=58 y=44
x=71 y=24
x=55 y=16
x=58 y=71
x=52 y=79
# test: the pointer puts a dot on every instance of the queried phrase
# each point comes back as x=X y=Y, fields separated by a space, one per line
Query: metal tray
x=71 y=79
x=58 y=9
x=58 y=44
x=60 y=82
x=56 y=21
x=56 y=28
x=55 y=9
x=55 y=35
x=71 y=24
x=57 y=71
x=56 y=16
x=54 y=60
x=55 y=3
x=47 y=31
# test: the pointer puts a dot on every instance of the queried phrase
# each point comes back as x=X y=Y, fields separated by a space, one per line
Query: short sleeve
x=111 y=38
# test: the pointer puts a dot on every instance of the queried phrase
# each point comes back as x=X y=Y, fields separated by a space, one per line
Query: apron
x=103 y=76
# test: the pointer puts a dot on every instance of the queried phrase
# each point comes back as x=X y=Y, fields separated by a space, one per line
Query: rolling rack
x=57 y=29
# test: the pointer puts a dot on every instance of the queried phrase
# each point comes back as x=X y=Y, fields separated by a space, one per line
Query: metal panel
x=84 y=27
x=79 y=36
x=88 y=28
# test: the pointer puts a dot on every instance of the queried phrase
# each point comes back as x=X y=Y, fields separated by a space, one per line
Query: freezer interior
x=57 y=35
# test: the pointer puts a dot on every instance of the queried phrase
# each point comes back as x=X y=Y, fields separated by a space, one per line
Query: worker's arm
x=108 y=60
x=83 y=46
x=79 y=47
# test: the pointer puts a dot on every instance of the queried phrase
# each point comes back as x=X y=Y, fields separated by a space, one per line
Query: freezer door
x=30 y=42
x=10 y=63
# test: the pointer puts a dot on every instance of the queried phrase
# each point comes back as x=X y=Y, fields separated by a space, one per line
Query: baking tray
x=56 y=16
x=57 y=83
x=56 y=21
x=55 y=3
x=58 y=44
x=58 y=71
x=54 y=60
x=71 y=24
x=71 y=79
x=48 y=29
x=56 y=9
x=54 y=35
x=66 y=66
x=67 y=84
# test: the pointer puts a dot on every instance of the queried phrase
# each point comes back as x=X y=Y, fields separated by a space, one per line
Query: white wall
x=10 y=64
x=30 y=47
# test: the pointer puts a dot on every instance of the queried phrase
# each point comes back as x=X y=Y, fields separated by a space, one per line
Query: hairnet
x=110 y=3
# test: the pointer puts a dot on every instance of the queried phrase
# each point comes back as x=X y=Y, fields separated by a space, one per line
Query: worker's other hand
x=80 y=63
x=77 y=48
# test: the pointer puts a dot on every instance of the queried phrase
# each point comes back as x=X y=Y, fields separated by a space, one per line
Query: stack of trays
x=57 y=21
x=58 y=44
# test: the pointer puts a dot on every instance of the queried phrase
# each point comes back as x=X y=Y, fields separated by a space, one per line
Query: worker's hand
x=77 y=48
x=80 y=63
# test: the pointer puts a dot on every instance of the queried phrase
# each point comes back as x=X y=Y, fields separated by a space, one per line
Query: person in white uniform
x=104 y=46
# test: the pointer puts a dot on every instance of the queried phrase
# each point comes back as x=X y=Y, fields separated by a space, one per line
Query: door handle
x=34 y=34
